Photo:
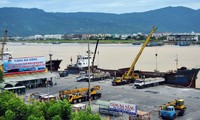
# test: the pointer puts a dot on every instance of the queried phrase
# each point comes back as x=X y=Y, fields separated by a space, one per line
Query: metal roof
x=27 y=77
x=102 y=103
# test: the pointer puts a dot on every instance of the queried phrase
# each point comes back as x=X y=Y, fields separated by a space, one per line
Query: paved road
x=147 y=99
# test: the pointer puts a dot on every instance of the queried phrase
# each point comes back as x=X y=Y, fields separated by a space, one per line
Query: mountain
x=26 y=22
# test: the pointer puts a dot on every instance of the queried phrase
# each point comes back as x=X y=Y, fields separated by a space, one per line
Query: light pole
x=50 y=58
x=89 y=72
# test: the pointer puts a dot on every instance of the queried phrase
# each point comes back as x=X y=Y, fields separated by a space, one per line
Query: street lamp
x=50 y=57
x=89 y=72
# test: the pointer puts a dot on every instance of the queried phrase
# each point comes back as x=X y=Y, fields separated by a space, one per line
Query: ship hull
x=55 y=65
x=74 y=69
x=184 y=77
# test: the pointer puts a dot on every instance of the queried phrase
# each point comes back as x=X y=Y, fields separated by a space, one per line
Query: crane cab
x=180 y=104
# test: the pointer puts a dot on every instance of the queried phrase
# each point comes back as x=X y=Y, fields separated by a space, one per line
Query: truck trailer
x=145 y=82
x=100 y=75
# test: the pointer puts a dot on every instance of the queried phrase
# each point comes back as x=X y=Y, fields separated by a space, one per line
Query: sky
x=105 y=6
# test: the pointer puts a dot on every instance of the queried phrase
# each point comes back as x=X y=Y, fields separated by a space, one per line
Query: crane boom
x=94 y=54
x=141 y=50
x=126 y=77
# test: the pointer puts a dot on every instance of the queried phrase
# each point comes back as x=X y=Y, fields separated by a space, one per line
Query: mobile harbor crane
x=129 y=76
x=80 y=94
x=172 y=109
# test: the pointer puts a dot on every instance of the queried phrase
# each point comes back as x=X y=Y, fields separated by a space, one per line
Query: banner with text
x=130 y=109
x=24 y=64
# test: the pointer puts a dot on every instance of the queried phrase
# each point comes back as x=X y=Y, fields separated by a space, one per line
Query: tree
x=1 y=76
x=9 y=115
x=9 y=101
x=13 y=108
x=56 y=117
x=32 y=117
x=86 y=115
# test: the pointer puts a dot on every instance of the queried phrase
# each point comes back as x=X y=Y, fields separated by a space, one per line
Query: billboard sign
x=130 y=109
x=24 y=64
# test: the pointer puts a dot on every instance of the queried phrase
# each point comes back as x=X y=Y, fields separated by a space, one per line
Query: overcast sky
x=106 y=6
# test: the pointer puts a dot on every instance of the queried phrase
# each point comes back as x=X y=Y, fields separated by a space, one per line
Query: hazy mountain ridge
x=26 y=22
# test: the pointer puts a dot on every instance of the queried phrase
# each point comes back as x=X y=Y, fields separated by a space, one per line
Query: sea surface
x=114 y=56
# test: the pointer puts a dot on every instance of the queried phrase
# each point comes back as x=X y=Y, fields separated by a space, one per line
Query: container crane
x=127 y=77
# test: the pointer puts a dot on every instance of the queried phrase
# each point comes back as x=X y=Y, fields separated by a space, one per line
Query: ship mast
x=156 y=54
x=176 y=62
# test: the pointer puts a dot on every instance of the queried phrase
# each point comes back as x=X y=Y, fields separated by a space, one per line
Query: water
x=114 y=56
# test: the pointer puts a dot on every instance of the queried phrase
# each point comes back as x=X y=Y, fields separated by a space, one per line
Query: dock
x=148 y=99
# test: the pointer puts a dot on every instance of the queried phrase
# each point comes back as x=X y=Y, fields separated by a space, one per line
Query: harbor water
x=114 y=56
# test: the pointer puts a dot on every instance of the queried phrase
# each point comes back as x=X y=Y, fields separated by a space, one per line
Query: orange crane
x=127 y=77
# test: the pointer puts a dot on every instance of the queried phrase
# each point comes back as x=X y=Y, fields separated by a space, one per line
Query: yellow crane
x=80 y=94
x=127 y=77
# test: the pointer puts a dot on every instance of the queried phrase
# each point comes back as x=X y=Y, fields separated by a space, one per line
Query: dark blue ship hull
x=73 y=69
x=183 y=77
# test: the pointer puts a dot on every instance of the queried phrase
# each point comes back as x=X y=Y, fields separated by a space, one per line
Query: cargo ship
x=81 y=64
x=55 y=64
x=181 y=77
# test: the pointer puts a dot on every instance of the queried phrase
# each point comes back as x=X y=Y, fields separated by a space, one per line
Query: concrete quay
x=147 y=99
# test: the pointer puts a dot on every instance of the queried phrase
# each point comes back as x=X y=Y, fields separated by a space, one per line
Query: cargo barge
x=181 y=77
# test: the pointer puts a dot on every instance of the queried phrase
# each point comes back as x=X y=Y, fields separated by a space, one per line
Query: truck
x=141 y=115
x=172 y=109
x=80 y=94
x=63 y=73
x=78 y=107
x=144 y=82
x=98 y=75
x=42 y=97
x=129 y=76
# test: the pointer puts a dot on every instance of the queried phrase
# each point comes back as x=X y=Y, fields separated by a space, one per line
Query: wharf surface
x=147 y=99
